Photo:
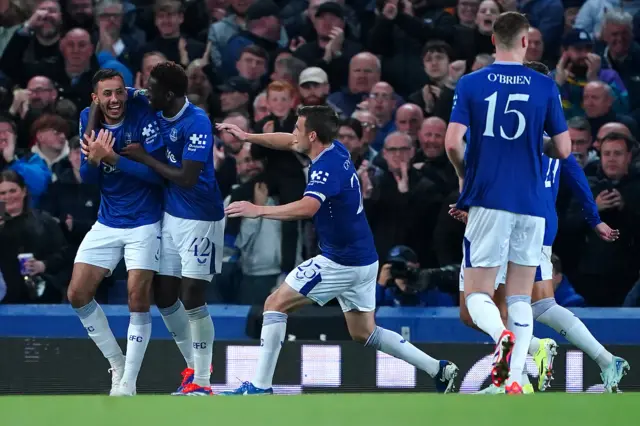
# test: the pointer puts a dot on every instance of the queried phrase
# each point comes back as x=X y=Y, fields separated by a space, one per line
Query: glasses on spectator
x=397 y=149
x=382 y=96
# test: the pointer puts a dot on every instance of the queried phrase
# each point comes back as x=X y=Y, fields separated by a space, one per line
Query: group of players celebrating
x=151 y=153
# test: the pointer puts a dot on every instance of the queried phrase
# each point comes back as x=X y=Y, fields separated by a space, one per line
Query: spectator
x=469 y=42
x=535 y=49
x=226 y=174
x=287 y=68
x=149 y=60
x=408 y=120
x=110 y=16
x=381 y=104
x=350 y=134
x=30 y=166
x=33 y=44
x=26 y=230
x=578 y=66
x=281 y=116
x=431 y=158
x=581 y=141
x=548 y=17
x=49 y=134
x=617 y=193
x=364 y=72
x=234 y=96
x=313 y=86
x=199 y=84
x=260 y=108
x=597 y=101
x=466 y=11
x=481 y=61
x=252 y=65
x=331 y=51
x=590 y=16
x=369 y=126
x=168 y=16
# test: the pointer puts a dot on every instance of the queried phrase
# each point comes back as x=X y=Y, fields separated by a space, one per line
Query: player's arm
x=458 y=125
x=89 y=173
x=454 y=145
x=185 y=176
x=304 y=208
x=580 y=188
x=559 y=145
x=279 y=141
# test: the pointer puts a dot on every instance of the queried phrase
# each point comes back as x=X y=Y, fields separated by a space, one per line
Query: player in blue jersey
x=347 y=267
x=506 y=107
x=128 y=224
x=545 y=308
x=193 y=222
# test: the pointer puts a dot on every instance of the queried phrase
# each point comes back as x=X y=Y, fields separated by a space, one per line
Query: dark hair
x=50 y=121
x=254 y=49
x=353 y=124
x=557 y=265
x=9 y=175
x=74 y=143
x=508 y=26
x=6 y=119
x=579 y=123
x=438 y=46
x=537 y=66
x=321 y=119
x=617 y=136
x=171 y=77
x=105 y=74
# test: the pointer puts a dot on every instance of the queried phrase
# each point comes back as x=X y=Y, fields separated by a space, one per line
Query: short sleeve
x=460 y=113
x=149 y=132
x=555 y=122
x=324 y=182
x=198 y=140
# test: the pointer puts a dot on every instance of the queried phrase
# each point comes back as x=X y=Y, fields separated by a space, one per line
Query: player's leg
x=358 y=303
x=498 y=298
x=141 y=255
x=525 y=248
x=547 y=311
x=200 y=244
x=97 y=256
x=166 y=295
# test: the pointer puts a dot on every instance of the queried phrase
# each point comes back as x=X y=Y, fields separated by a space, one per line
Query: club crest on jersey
x=173 y=135
x=318 y=177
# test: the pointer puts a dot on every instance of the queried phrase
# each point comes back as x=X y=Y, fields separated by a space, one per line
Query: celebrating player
x=545 y=309
x=193 y=223
x=128 y=225
x=348 y=266
x=506 y=107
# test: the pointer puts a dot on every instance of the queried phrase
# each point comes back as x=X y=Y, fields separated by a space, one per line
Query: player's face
x=301 y=142
x=156 y=94
x=111 y=97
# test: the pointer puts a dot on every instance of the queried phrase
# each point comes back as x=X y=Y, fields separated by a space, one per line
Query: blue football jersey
x=343 y=231
x=125 y=200
x=506 y=107
x=570 y=170
x=188 y=136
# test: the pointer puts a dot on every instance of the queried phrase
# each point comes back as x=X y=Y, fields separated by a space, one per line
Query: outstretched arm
x=279 y=141
x=301 y=209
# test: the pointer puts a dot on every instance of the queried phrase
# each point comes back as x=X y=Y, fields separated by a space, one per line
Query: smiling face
x=111 y=97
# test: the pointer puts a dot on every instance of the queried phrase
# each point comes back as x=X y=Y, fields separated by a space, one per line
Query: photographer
x=402 y=283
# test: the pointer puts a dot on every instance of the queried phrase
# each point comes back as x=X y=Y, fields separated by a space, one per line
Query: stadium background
x=416 y=50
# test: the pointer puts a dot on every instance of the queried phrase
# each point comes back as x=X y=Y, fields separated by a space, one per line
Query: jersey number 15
x=491 y=114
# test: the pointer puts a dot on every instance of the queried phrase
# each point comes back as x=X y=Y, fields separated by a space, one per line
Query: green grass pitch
x=319 y=410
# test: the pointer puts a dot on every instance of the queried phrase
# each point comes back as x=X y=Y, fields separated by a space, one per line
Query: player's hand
x=403 y=179
x=606 y=233
x=458 y=214
x=135 y=152
x=594 y=63
x=242 y=209
x=89 y=140
x=103 y=146
x=260 y=193
x=234 y=130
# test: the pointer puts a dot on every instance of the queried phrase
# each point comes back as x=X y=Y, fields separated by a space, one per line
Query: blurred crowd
x=388 y=67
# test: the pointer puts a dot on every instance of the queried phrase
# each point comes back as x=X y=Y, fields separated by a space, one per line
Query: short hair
x=617 y=17
x=537 y=66
x=74 y=143
x=255 y=50
x=153 y=53
x=579 y=123
x=105 y=74
x=280 y=86
x=557 y=264
x=629 y=141
x=353 y=124
x=50 y=121
x=294 y=67
x=438 y=46
x=103 y=4
x=321 y=119
x=507 y=27
x=6 y=119
x=395 y=133
x=171 y=77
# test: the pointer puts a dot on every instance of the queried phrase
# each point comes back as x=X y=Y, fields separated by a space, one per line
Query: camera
x=404 y=262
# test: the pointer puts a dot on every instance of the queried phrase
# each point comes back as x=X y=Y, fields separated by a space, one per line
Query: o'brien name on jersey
x=508 y=79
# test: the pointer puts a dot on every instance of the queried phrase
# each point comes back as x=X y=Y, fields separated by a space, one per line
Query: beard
x=314 y=100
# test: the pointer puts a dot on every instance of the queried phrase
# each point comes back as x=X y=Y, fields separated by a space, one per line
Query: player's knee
x=78 y=295
x=361 y=335
x=140 y=296
x=194 y=293
x=274 y=303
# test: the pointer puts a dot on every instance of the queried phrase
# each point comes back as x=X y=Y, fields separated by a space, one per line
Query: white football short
x=495 y=237
x=191 y=248
x=544 y=271
x=104 y=247
x=321 y=280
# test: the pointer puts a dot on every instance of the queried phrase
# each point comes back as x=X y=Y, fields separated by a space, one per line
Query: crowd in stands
x=389 y=68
